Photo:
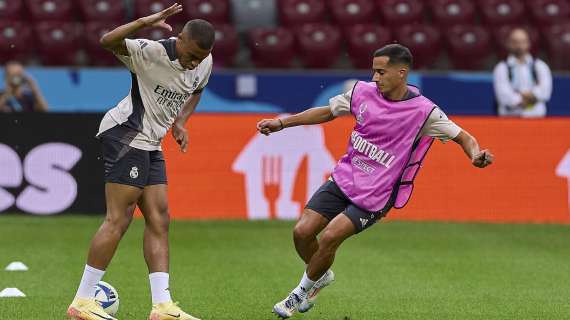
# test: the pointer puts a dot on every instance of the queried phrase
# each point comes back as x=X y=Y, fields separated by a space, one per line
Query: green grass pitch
x=238 y=270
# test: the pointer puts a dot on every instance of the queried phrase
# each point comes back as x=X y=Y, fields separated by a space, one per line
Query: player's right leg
x=327 y=202
x=121 y=201
x=125 y=171
x=305 y=233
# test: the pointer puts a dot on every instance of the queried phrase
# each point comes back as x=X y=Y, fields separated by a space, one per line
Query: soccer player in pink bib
x=395 y=127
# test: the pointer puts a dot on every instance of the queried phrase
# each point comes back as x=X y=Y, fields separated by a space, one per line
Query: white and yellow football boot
x=87 y=309
x=169 y=311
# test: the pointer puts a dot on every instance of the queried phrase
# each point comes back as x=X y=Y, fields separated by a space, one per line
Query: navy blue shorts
x=329 y=201
x=130 y=166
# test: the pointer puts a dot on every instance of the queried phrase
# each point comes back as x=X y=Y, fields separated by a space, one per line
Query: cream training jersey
x=160 y=87
x=437 y=125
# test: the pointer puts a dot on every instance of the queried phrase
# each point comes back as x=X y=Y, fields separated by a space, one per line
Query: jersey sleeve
x=142 y=54
x=440 y=127
x=340 y=104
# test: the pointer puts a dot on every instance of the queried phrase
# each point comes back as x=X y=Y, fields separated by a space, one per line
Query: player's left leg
x=154 y=207
x=338 y=230
x=353 y=220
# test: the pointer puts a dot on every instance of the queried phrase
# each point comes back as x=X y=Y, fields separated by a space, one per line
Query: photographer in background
x=523 y=83
x=21 y=93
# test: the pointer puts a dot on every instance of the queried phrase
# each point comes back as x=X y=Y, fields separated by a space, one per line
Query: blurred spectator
x=21 y=93
x=523 y=83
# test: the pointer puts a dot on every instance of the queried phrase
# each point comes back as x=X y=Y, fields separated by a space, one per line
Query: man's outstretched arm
x=114 y=40
x=479 y=158
x=314 y=115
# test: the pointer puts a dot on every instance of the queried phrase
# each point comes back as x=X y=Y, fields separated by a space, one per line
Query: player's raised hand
x=159 y=19
x=180 y=134
x=267 y=126
x=483 y=159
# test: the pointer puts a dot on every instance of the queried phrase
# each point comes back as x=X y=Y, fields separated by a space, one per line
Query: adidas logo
x=364 y=222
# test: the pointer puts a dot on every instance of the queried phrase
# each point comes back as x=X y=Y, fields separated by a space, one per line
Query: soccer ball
x=108 y=297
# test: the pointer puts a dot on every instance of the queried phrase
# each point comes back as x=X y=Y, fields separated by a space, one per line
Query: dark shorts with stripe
x=329 y=201
x=130 y=166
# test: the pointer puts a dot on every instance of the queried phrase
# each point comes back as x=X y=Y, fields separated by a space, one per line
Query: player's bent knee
x=302 y=232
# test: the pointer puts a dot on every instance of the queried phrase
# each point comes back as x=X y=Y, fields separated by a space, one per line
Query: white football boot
x=288 y=306
x=324 y=281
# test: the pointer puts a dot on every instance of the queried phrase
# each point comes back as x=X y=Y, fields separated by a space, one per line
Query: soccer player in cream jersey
x=167 y=79
x=394 y=128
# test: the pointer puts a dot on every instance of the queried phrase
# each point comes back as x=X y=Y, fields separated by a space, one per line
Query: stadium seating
x=447 y=13
x=214 y=11
x=52 y=10
x=58 y=42
x=350 y=12
x=15 y=40
x=227 y=44
x=548 y=12
x=250 y=14
x=298 y=12
x=469 y=46
x=147 y=7
x=94 y=30
x=271 y=47
x=501 y=35
x=362 y=40
x=102 y=10
x=423 y=40
x=502 y=12
x=419 y=24
x=11 y=9
x=401 y=11
x=319 y=45
x=558 y=45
